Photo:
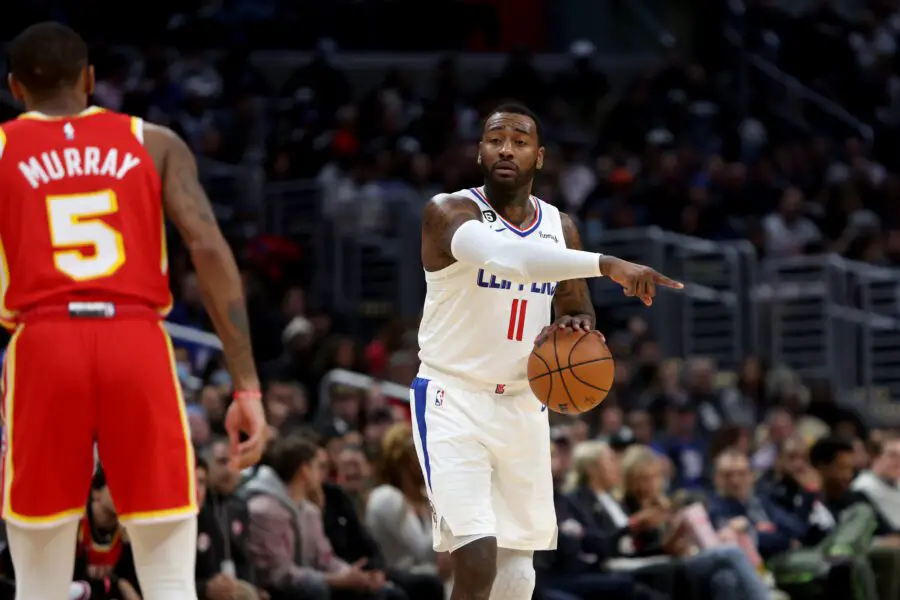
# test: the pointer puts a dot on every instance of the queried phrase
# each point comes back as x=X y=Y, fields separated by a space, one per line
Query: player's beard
x=522 y=178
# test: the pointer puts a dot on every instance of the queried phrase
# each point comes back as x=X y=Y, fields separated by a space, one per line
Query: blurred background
x=747 y=148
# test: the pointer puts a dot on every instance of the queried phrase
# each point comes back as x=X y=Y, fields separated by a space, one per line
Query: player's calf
x=474 y=569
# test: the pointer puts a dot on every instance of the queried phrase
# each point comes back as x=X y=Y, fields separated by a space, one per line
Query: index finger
x=661 y=279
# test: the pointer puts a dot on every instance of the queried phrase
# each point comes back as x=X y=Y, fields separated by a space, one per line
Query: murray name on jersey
x=77 y=162
x=491 y=281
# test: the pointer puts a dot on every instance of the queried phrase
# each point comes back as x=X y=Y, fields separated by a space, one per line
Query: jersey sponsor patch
x=489 y=215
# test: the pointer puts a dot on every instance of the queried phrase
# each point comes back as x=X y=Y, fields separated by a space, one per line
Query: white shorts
x=486 y=461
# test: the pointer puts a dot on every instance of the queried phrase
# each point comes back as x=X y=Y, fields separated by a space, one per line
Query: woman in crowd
x=398 y=513
x=723 y=572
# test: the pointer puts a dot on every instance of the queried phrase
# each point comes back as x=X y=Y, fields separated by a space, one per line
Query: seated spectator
x=778 y=428
x=833 y=458
x=683 y=444
x=352 y=541
x=103 y=557
x=572 y=571
x=773 y=529
x=398 y=512
x=792 y=484
x=596 y=474
x=292 y=555
x=353 y=474
x=724 y=571
x=222 y=570
x=881 y=485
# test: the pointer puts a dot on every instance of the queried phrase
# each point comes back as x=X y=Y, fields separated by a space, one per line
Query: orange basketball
x=571 y=371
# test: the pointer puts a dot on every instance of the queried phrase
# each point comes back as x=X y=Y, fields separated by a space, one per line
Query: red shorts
x=71 y=382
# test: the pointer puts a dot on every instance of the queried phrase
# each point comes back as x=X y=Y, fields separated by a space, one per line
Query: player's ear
x=15 y=88
x=540 y=158
x=478 y=160
x=90 y=80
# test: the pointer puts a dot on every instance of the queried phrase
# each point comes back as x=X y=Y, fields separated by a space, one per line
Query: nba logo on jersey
x=489 y=216
x=69 y=131
x=439 y=398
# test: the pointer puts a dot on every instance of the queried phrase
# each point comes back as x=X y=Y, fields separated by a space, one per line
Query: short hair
x=826 y=450
x=517 y=108
x=730 y=453
x=286 y=455
x=201 y=463
x=47 y=56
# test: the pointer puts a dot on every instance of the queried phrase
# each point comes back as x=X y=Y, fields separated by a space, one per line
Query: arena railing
x=829 y=317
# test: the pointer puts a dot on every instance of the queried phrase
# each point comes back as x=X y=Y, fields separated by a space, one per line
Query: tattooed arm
x=188 y=207
x=452 y=231
x=442 y=216
x=572 y=298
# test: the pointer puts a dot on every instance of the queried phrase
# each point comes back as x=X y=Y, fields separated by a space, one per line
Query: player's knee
x=475 y=567
x=515 y=575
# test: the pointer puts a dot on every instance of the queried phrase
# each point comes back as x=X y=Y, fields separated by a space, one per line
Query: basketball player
x=493 y=256
x=84 y=285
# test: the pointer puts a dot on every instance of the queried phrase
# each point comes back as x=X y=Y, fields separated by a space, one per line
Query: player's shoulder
x=452 y=202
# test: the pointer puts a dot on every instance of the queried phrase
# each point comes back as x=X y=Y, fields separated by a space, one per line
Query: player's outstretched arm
x=452 y=230
x=188 y=207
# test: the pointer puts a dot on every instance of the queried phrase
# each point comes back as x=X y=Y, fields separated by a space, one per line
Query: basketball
x=571 y=371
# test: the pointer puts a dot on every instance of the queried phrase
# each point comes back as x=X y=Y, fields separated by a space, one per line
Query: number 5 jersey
x=80 y=213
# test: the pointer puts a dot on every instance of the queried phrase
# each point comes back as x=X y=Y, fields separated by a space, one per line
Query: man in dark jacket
x=772 y=527
x=223 y=570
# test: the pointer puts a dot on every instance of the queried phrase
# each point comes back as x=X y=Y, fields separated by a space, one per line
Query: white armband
x=474 y=243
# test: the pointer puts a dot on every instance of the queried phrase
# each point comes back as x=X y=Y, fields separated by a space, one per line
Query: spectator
x=354 y=475
x=793 y=484
x=881 y=485
x=833 y=459
x=287 y=538
x=779 y=427
x=773 y=529
x=220 y=574
x=724 y=571
x=398 y=512
x=573 y=569
x=788 y=231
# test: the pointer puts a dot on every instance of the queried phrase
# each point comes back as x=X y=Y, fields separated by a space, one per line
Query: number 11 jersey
x=479 y=327
x=80 y=214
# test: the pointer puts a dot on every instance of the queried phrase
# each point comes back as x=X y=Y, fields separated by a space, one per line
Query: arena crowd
x=687 y=482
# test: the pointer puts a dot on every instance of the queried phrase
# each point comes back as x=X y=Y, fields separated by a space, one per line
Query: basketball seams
x=561 y=377
x=572 y=366
x=549 y=372
x=583 y=382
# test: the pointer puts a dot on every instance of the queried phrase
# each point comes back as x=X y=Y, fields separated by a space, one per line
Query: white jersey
x=479 y=327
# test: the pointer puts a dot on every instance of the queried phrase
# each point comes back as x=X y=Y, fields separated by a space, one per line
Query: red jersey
x=80 y=214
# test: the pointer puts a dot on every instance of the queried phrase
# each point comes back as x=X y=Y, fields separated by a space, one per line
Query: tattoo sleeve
x=188 y=207
x=442 y=216
x=573 y=297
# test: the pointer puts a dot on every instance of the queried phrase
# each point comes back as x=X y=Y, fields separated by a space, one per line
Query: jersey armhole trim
x=2 y=142
x=137 y=129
